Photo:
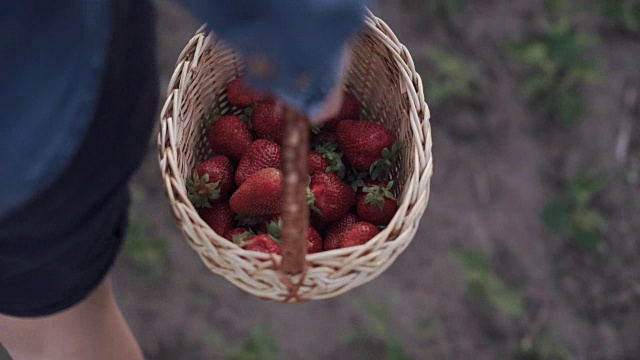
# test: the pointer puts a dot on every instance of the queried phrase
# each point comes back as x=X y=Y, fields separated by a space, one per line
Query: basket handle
x=295 y=212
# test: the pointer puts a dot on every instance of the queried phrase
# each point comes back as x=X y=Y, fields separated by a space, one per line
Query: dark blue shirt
x=53 y=54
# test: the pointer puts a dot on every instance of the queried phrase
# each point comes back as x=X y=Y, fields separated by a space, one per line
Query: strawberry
x=267 y=121
x=260 y=155
x=363 y=142
x=314 y=240
x=238 y=235
x=260 y=194
x=219 y=217
x=241 y=95
x=230 y=136
x=330 y=152
x=262 y=243
x=378 y=205
x=348 y=110
x=317 y=162
x=328 y=197
x=333 y=239
x=210 y=181
x=359 y=234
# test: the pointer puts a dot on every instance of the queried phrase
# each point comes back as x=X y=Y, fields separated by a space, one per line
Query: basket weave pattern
x=384 y=80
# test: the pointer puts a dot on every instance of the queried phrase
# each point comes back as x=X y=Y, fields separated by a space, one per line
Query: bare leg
x=93 y=329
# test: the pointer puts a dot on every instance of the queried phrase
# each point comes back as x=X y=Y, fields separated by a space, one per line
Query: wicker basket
x=384 y=80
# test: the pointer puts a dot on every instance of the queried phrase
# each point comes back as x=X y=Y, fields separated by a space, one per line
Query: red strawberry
x=359 y=234
x=241 y=95
x=329 y=198
x=274 y=229
x=219 y=217
x=262 y=243
x=314 y=241
x=260 y=194
x=238 y=235
x=317 y=162
x=333 y=239
x=210 y=181
x=348 y=110
x=267 y=121
x=378 y=205
x=230 y=136
x=363 y=143
x=260 y=155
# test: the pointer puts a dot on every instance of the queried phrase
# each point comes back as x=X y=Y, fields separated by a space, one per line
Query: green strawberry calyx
x=330 y=152
x=241 y=239
x=376 y=195
x=311 y=201
x=274 y=230
x=356 y=179
x=381 y=168
x=245 y=116
x=200 y=190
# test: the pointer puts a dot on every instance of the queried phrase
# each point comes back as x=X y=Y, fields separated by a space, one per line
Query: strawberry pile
x=238 y=191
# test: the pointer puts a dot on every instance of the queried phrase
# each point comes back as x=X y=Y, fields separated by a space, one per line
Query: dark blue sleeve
x=301 y=40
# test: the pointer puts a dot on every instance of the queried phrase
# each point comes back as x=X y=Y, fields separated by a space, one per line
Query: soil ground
x=495 y=169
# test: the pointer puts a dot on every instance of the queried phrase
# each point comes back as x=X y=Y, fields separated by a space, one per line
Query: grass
x=453 y=79
x=543 y=347
x=483 y=282
x=624 y=13
x=446 y=8
x=437 y=8
x=259 y=345
x=574 y=216
x=145 y=251
x=556 y=65
x=379 y=329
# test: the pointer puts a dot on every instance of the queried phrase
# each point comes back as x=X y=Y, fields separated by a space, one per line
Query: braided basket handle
x=295 y=211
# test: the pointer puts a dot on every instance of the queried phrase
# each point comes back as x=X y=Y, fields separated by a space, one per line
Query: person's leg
x=56 y=250
x=94 y=329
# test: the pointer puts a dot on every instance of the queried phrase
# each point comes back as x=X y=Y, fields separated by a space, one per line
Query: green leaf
x=507 y=301
x=534 y=53
x=259 y=346
x=568 y=107
x=583 y=188
x=456 y=7
x=146 y=252
x=556 y=217
x=471 y=260
x=395 y=350
x=588 y=239
x=535 y=85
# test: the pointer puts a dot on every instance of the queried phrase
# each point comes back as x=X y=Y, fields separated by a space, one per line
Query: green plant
x=483 y=282
x=453 y=79
x=543 y=347
x=447 y=8
x=258 y=346
x=437 y=8
x=626 y=13
x=573 y=214
x=379 y=329
x=556 y=66
x=146 y=252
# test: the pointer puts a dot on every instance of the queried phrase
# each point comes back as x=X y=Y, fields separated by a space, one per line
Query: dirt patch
x=495 y=169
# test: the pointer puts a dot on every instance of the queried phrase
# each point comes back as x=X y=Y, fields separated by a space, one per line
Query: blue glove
x=293 y=48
